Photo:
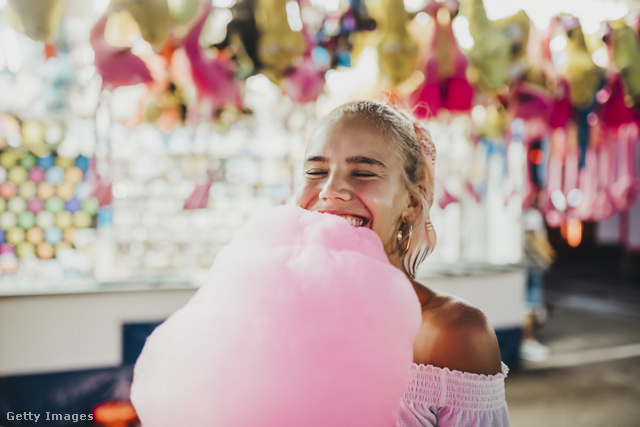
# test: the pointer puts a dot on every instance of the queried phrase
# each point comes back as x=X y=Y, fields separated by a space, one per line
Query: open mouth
x=356 y=221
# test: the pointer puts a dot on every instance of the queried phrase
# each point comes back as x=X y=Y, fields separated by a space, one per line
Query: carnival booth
x=137 y=137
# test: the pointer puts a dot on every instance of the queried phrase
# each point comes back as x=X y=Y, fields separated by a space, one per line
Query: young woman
x=374 y=166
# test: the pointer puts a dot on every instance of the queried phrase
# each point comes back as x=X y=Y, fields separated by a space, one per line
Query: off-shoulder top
x=442 y=397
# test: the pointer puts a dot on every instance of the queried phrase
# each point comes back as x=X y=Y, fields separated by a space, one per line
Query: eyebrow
x=351 y=160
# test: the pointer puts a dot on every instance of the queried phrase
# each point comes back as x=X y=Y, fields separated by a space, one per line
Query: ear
x=413 y=207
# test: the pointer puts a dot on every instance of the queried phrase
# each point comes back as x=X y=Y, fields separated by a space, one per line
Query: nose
x=335 y=188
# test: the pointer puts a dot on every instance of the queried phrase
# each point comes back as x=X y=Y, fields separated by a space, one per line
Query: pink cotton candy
x=302 y=322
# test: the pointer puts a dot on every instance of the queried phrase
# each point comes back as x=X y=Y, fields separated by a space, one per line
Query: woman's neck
x=425 y=295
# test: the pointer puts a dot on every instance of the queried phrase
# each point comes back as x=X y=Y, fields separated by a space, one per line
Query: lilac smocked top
x=442 y=397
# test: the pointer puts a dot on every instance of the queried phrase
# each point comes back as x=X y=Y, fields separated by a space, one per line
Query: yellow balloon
x=64 y=219
x=183 y=11
x=32 y=133
x=17 y=174
x=9 y=158
x=15 y=235
x=81 y=219
x=38 y=19
x=25 y=250
x=41 y=150
x=28 y=190
x=152 y=16
x=65 y=162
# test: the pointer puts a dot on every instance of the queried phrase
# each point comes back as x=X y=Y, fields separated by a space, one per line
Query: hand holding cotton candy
x=302 y=322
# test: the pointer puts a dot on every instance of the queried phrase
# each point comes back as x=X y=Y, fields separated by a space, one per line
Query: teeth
x=356 y=222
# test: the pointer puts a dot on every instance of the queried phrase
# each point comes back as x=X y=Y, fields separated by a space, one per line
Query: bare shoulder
x=458 y=336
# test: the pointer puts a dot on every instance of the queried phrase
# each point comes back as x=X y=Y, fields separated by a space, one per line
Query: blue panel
x=134 y=336
x=76 y=392
x=509 y=341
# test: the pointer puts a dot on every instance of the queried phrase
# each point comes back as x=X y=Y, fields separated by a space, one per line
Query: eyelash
x=358 y=174
x=364 y=174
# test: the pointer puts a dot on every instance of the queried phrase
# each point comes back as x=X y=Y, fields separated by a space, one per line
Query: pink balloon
x=117 y=66
x=305 y=83
x=36 y=174
x=302 y=322
x=35 y=205
x=213 y=78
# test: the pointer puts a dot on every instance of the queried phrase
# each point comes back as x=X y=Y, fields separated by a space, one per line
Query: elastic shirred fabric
x=442 y=397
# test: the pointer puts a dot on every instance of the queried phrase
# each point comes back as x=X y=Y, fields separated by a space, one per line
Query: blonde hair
x=407 y=137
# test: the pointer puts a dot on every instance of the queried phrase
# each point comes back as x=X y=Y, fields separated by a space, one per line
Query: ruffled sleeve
x=442 y=397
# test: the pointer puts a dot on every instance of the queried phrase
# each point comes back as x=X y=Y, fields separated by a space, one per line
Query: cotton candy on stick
x=302 y=322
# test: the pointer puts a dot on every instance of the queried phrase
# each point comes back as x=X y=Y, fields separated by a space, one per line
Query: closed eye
x=364 y=174
x=315 y=173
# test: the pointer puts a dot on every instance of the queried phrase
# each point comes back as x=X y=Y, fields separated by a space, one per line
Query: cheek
x=386 y=214
x=304 y=195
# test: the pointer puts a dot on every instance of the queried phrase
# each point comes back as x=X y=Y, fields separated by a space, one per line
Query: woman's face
x=350 y=170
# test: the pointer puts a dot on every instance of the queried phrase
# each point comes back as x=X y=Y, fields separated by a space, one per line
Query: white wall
x=59 y=332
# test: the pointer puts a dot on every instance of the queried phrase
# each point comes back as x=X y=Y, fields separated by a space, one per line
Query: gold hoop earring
x=401 y=236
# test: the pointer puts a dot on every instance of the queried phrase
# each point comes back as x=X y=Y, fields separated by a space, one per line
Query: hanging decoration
x=445 y=85
x=566 y=103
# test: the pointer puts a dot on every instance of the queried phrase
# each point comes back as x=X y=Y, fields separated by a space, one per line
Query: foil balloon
x=117 y=66
x=213 y=78
x=445 y=84
x=305 y=82
x=490 y=55
x=183 y=11
x=39 y=19
x=516 y=28
x=584 y=77
x=152 y=16
x=624 y=48
x=279 y=47
x=397 y=51
x=302 y=315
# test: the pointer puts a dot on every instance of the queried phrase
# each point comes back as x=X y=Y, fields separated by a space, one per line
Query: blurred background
x=136 y=137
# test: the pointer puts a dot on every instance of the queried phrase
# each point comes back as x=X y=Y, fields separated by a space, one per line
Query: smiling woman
x=365 y=162
x=374 y=166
